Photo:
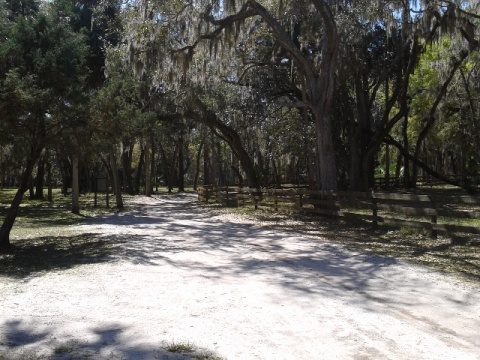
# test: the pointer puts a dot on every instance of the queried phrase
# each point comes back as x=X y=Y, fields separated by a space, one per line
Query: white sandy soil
x=183 y=275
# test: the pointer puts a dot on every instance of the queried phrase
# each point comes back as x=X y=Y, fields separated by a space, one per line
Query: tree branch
x=389 y=140
x=284 y=39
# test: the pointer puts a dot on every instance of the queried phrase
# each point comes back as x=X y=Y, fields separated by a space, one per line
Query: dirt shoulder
x=170 y=271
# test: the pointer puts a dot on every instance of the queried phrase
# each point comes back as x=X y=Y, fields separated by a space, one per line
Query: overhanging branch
x=389 y=140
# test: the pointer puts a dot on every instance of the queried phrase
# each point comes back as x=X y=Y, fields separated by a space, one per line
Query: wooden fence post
x=374 y=211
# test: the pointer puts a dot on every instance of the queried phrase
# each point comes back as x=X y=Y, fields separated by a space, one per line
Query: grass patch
x=76 y=351
x=182 y=348
x=44 y=237
x=190 y=350
x=36 y=214
x=62 y=350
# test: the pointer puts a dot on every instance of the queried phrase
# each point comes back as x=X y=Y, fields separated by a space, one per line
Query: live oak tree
x=187 y=28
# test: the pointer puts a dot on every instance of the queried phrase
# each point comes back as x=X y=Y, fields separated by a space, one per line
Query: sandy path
x=243 y=292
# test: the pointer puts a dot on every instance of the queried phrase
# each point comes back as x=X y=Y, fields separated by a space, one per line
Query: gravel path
x=183 y=275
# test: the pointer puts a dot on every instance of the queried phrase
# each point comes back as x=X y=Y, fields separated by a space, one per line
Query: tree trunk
x=406 y=155
x=387 y=166
x=406 y=162
x=65 y=169
x=39 y=183
x=49 y=180
x=207 y=176
x=75 y=182
x=321 y=91
x=148 y=169
x=172 y=166
x=2 y=169
x=398 y=169
x=138 y=175
x=181 y=165
x=226 y=133
x=311 y=169
x=361 y=162
x=325 y=152
x=197 y=166
x=238 y=174
x=12 y=211
x=430 y=119
x=153 y=165
x=31 y=189
x=320 y=84
x=127 y=168
x=116 y=180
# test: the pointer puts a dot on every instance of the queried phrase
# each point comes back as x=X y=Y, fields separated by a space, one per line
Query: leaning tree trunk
x=202 y=114
x=197 y=166
x=12 y=211
x=430 y=119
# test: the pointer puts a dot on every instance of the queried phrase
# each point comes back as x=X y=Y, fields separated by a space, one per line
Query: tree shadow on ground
x=454 y=253
x=34 y=256
x=25 y=341
x=303 y=263
x=165 y=233
x=159 y=234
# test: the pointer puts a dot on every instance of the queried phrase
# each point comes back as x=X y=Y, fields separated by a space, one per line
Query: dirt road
x=178 y=274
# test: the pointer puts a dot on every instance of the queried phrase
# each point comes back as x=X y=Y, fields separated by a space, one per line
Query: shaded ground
x=452 y=254
x=170 y=271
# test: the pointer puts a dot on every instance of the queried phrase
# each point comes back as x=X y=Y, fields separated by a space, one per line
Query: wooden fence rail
x=432 y=212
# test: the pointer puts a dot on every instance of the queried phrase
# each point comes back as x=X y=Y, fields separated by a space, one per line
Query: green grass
x=49 y=211
x=44 y=237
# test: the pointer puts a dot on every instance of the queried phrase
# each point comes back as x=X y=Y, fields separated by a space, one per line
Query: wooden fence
x=432 y=212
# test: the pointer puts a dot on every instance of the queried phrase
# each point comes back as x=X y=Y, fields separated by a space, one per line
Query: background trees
x=301 y=55
x=324 y=93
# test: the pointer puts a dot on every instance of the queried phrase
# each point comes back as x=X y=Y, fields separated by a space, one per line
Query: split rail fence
x=453 y=214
